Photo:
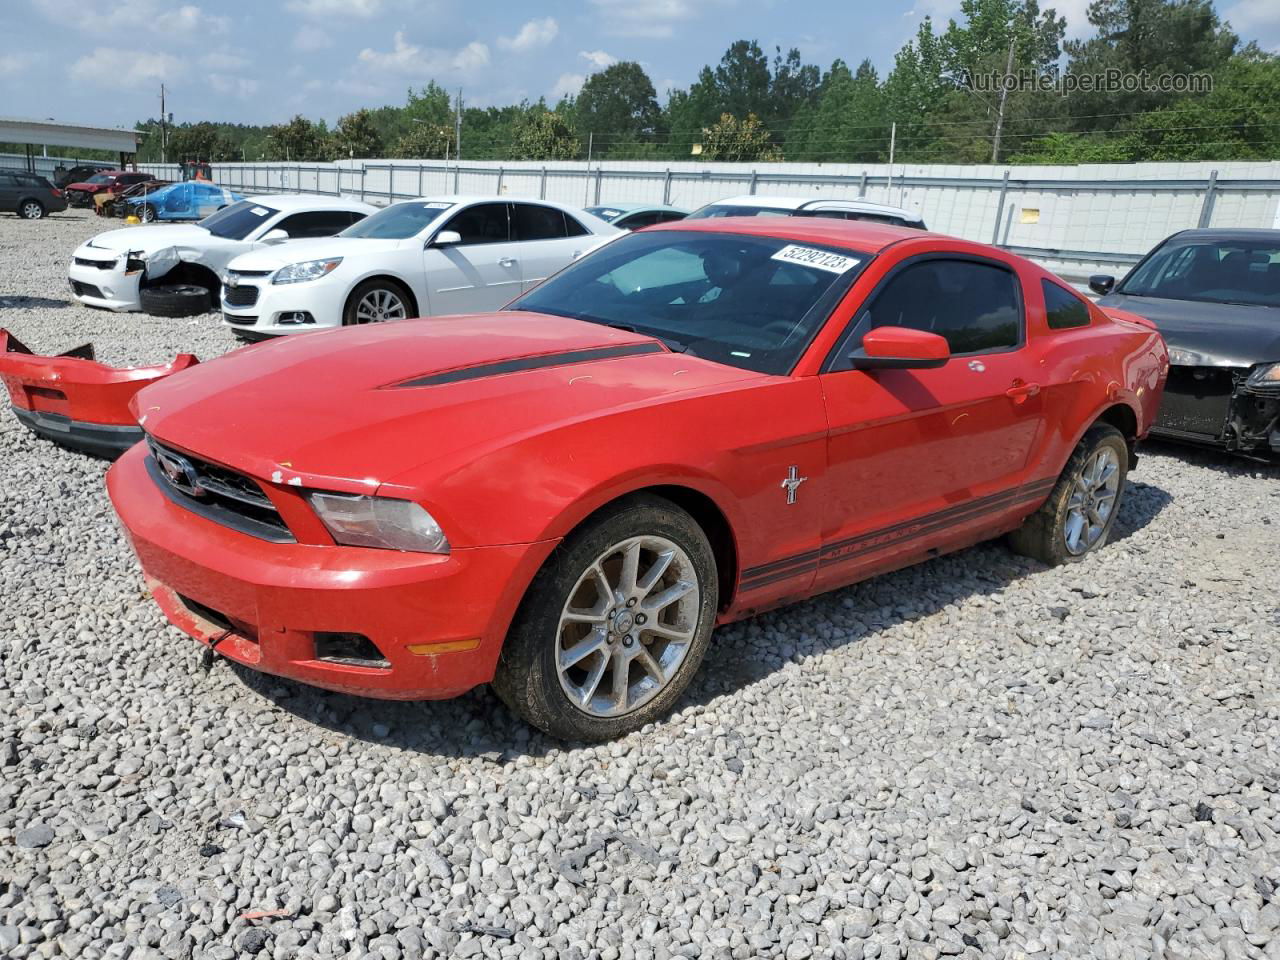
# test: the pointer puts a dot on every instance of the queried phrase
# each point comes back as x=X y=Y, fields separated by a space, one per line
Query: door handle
x=1019 y=392
x=506 y=262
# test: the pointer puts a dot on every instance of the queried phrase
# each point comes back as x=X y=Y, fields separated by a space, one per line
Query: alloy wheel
x=1093 y=497
x=627 y=626
x=378 y=305
x=32 y=210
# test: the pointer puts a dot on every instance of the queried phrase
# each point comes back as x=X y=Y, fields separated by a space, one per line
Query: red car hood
x=88 y=186
x=351 y=409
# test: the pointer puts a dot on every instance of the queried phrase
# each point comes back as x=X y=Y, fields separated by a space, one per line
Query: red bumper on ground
x=74 y=400
x=438 y=621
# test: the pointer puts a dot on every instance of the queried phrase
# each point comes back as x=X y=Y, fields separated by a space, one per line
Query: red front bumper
x=439 y=621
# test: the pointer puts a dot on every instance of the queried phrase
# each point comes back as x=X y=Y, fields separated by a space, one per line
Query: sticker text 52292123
x=818 y=259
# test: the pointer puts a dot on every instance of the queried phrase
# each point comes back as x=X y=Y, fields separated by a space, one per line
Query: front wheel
x=375 y=301
x=147 y=214
x=31 y=210
x=1080 y=512
x=615 y=624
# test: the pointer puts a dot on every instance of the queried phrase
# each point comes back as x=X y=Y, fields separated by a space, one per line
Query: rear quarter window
x=1062 y=309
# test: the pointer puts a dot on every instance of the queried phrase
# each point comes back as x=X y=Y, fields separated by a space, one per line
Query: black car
x=29 y=195
x=79 y=173
x=1215 y=295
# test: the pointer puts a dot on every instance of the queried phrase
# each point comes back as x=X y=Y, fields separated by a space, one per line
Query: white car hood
x=321 y=248
x=163 y=246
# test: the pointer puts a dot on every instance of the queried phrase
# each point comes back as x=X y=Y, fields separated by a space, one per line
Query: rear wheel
x=31 y=210
x=175 y=300
x=375 y=301
x=1080 y=512
x=614 y=626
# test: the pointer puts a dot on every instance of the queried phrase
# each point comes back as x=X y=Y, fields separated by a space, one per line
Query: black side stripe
x=482 y=370
x=872 y=541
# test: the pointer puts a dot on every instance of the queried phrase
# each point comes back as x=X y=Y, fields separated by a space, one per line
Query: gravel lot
x=976 y=757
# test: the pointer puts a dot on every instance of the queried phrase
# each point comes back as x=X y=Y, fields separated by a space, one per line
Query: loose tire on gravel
x=1080 y=512
x=175 y=300
x=615 y=624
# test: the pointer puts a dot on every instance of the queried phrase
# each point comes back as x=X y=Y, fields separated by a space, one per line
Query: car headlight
x=358 y=521
x=1265 y=374
x=1188 y=358
x=302 y=272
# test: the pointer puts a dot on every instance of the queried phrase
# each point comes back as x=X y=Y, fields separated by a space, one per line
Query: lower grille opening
x=86 y=289
x=218 y=618
x=350 y=649
x=242 y=321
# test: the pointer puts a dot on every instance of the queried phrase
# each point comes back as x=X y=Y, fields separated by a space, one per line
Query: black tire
x=527 y=678
x=350 y=316
x=30 y=209
x=1043 y=535
x=175 y=300
x=147 y=214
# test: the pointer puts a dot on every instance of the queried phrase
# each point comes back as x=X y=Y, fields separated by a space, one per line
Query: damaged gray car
x=1215 y=296
x=172 y=269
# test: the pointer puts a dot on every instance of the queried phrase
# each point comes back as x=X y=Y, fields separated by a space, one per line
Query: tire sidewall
x=147 y=214
x=28 y=205
x=1096 y=438
x=528 y=677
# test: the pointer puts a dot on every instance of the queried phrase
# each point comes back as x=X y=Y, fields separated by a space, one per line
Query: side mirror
x=1101 y=284
x=275 y=236
x=900 y=348
x=447 y=238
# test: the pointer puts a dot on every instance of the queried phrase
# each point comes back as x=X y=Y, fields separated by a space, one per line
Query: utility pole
x=457 y=129
x=163 y=131
x=893 y=140
x=1004 y=93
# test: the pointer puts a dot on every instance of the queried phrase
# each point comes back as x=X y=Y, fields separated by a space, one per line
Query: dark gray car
x=29 y=195
x=1215 y=295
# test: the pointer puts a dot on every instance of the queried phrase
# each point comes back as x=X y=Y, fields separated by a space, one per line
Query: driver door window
x=483 y=223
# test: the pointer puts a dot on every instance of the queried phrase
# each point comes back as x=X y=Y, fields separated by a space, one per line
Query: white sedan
x=424 y=257
x=110 y=269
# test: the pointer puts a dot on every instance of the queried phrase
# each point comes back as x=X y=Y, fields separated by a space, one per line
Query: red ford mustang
x=695 y=423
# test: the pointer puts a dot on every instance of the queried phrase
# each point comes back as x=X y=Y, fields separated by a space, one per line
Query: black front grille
x=216 y=492
x=86 y=289
x=100 y=264
x=241 y=321
x=241 y=295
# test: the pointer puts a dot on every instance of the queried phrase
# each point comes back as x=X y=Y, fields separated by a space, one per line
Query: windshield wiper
x=672 y=344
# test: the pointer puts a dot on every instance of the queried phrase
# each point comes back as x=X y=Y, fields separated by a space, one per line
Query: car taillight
x=57 y=192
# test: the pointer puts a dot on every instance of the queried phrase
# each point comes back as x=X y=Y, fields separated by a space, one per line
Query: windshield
x=738 y=210
x=750 y=302
x=1220 y=271
x=400 y=221
x=238 y=220
x=605 y=213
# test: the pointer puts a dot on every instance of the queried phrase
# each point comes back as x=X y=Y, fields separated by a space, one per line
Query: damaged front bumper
x=75 y=401
x=1237 y=408
x=105 y=278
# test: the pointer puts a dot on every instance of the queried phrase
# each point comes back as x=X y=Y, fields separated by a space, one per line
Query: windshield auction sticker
x=813 y=257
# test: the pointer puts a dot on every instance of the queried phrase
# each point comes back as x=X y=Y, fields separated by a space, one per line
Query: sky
x=262 y=61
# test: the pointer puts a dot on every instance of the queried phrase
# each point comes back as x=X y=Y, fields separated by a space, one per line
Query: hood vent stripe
x=482 y=370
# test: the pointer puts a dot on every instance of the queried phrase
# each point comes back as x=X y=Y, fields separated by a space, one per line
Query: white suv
x=417 y=258
x=754 y=206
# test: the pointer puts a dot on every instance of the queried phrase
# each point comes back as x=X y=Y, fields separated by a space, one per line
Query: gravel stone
x=973 y=757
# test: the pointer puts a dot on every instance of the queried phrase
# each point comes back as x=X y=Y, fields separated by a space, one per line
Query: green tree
x=743 y=81
x=542 y=134
x=732 y=139
x=356 y=135
x=200 y=141
x=297 y=140
x=619 y=106
x=424 y=141
x=916 y=92
x=848 y=123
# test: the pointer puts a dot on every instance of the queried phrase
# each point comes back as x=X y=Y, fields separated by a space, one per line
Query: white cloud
x=568 y=85
x=337 y=8
x=409 y=58
x=598 y=58
x=223 y=60
x=534 y=34
x=11 y=63
x=112 y=67
x=156 y=16
x=643 y=18
x=311 y=37
x=240 y=87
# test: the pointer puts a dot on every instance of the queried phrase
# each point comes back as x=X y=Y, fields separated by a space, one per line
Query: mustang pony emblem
x=792 y=483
